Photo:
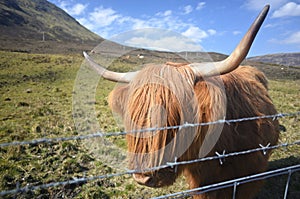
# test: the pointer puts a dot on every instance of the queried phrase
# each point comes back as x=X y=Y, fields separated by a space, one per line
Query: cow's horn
x=110 y=75
x=236 y=57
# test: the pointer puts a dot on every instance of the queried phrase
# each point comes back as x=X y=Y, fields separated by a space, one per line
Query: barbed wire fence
x=230 y=183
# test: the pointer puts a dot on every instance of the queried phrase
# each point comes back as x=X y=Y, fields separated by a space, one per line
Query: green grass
x=36 y=101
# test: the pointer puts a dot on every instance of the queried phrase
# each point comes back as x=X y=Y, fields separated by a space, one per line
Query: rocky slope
x=40 y=26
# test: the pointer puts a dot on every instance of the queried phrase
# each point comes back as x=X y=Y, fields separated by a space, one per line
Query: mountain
x=40 y=26
x=284 y=59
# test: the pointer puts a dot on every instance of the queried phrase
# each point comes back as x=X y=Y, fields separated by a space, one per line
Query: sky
x=190 y=25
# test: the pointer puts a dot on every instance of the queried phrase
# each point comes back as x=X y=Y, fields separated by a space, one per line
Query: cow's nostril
x=143 y=179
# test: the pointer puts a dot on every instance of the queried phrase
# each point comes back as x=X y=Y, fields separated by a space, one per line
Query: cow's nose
x=143 y=179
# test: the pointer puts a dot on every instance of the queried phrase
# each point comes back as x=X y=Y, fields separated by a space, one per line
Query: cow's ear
x=117 y=100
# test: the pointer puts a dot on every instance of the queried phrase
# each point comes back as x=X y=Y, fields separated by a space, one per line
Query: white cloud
x=259 y=4
x=187 y=9
x=158 y=39
x=293 y=38
x=190 y=31
x=168 y=13
x=63 y=5
x=135 y=23
x=103 y=16
x=107 y=22
x=170 y=43
x=200 y=5
x=76 y=9
x=236 y=32
x=289 y=9
x=165 y=13
x=212 y=31
x=270 y=25
x=85 y=22
x=166 y=21
x=195 y=33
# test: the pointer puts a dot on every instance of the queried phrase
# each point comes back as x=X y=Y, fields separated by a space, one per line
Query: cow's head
x=162 y=96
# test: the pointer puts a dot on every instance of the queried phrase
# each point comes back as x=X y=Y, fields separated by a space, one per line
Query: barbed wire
x=121 y=133
x=62 y=183
x=218 y=156
x=129 y=172
x=236 y=182
x=222 y=156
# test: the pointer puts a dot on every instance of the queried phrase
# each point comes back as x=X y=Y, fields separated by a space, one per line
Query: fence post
x=234 y=189
x=287 y=184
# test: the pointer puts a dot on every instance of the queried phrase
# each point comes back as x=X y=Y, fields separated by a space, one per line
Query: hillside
x=39 y=26
x=285 y=59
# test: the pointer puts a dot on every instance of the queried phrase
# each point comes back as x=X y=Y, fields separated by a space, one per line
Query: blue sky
x=212 y=25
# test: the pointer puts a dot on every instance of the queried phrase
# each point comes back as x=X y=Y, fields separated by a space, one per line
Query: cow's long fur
x=169 y=95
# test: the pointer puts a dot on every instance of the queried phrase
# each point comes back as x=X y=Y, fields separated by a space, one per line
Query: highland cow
x=173 y=94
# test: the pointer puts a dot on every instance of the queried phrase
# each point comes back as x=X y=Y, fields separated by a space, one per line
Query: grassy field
x=37 y=101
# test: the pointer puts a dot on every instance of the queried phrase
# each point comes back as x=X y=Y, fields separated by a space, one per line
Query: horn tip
x=267 y=7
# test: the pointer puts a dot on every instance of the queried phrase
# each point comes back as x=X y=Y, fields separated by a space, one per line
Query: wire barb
x=176 y=167
x=221 y=157
x=264 y=148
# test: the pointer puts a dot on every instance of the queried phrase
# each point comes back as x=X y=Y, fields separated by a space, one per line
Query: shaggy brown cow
x=172 y=94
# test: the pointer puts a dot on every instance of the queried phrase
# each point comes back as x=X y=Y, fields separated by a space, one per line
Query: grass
x=37 y=101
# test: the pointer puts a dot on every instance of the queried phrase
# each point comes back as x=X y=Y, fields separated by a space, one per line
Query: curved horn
x=110 y=75
x=236 y=57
